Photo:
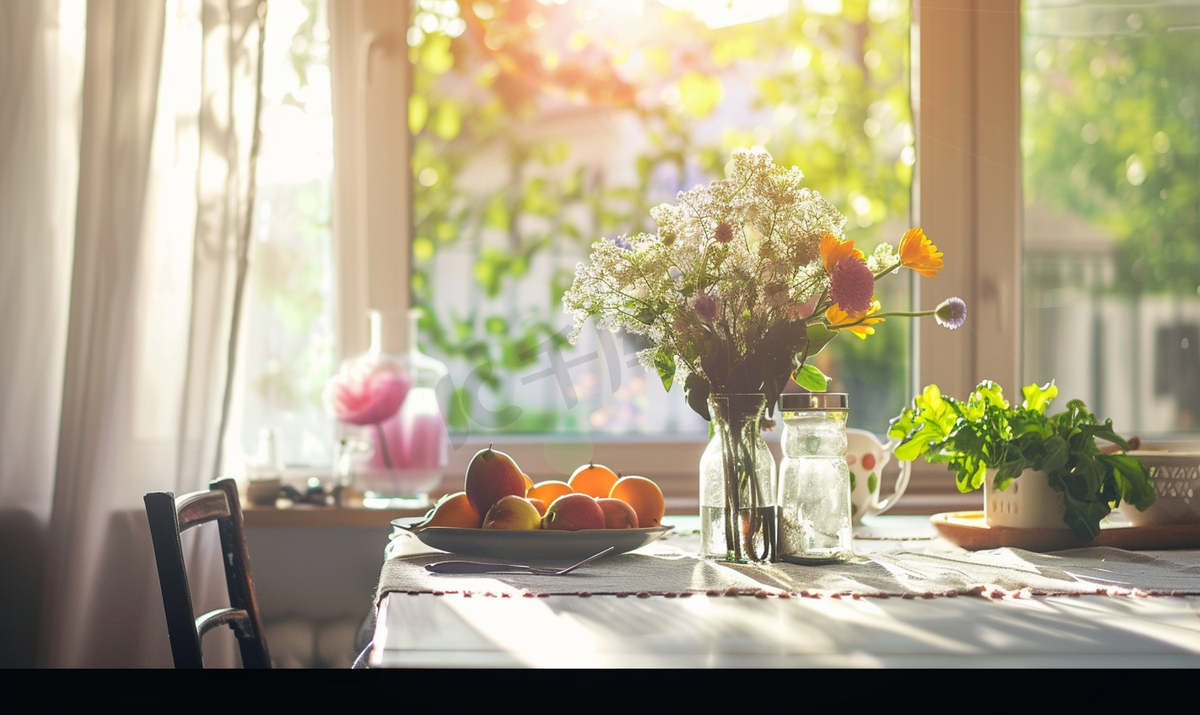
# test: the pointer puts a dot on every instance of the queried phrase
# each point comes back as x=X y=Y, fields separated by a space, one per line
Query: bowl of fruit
x=502 y=513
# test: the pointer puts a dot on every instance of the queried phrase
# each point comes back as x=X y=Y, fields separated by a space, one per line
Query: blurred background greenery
x=540 y=127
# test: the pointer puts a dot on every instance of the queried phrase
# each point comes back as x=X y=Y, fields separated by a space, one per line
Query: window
x=972 y=60
x=830 y=95
x=289 y=329
x=1110 y=133
x=541 y=127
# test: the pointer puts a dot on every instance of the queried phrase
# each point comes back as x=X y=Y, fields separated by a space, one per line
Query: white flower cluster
x=728 y=261
x=883 y=258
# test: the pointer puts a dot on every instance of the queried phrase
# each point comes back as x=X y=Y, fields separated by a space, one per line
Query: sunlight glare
x=727 y=13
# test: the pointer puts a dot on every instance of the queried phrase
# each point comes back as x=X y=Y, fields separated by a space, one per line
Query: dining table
x=909 y=598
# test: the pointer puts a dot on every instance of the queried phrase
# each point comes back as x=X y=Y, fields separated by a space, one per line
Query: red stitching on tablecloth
x=988 y=591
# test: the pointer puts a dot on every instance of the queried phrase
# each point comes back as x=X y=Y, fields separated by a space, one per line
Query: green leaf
x=1036 y=398
x=811 y=378
x=496 y=325
x=818 y=337
x=666 y=368
x=909 y=451
x=1056 y=454
x=1133 y=479
x=695 y=391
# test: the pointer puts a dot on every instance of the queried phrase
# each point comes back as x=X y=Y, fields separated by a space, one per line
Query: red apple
x=617 y=514
x=573 y=512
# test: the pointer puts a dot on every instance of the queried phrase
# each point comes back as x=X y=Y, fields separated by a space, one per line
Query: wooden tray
x=968 y=530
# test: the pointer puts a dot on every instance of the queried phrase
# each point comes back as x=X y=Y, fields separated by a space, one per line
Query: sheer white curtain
x=41 y=60
x=127 y=377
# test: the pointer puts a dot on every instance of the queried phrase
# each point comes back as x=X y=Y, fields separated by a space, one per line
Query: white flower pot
x=1028 y=503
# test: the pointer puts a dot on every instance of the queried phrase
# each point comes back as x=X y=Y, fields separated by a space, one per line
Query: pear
x=492 y=475
x=513 y=512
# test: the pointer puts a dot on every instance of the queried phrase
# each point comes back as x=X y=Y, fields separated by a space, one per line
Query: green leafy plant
x=985 y=432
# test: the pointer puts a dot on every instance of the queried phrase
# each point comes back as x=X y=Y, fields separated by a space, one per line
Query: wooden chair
x=169 y=517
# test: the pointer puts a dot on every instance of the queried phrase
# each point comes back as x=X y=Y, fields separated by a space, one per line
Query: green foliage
x=985 y=432
x=828 y=94
x=1109 y=133
x=665 y=363
x=812 y=379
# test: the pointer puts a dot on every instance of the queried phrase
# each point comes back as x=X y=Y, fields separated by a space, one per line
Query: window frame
x=966 y=108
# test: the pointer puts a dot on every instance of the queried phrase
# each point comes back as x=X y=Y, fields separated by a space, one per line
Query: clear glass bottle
x=814 y=480
x=738 y=519
x=410 y=450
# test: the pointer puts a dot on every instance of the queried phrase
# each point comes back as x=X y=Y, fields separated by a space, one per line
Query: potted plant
x=987 y=441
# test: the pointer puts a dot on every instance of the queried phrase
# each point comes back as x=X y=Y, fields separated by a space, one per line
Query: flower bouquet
x=744 y=281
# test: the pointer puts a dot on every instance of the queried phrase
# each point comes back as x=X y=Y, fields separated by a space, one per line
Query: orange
x=547 y=492
x=528 y=481
x=644 y=496
x=455 y=510
x=595 y=480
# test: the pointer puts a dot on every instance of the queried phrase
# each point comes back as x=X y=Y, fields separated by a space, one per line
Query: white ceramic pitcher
x=866 y=456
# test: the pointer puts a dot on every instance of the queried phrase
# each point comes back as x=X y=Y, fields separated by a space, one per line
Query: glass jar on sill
x=814 y=480
x=398 y=461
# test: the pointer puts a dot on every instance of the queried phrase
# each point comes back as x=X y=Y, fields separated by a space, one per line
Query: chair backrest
x=169 y=517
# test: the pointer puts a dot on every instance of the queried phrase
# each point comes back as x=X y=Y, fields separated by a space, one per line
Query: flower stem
x=888 y=270
x=918 y=314
x=387 y=458
x=863 y=320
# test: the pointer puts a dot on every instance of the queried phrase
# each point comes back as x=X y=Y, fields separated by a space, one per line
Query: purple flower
x=705 y=306
x=724 y=232
x=852 y=286
x=623 y=243
x=952 y=313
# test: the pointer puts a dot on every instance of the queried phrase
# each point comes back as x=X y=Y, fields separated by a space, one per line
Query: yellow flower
x=833 y=250
x=918 y=253
x=836 y=316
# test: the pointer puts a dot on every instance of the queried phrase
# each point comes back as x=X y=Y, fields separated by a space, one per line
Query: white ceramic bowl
x=1176 y=480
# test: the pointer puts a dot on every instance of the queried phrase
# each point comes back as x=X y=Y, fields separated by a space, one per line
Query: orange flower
x=833 y=250
x=836 y=316
x=918 y=253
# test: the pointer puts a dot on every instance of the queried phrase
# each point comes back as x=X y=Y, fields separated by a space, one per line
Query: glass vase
x=738 y=518
x=407 y=453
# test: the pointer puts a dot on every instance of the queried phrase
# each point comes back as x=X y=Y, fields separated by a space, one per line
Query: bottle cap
x=813 y=401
